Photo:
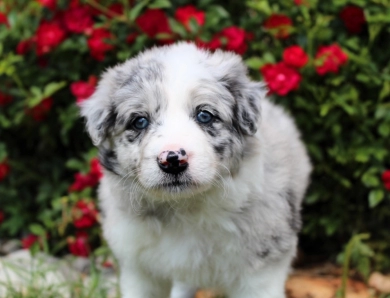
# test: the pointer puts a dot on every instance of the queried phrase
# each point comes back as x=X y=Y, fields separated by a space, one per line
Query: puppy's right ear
x=99 y=110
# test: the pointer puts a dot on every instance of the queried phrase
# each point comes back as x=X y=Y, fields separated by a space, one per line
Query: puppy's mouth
x=175 y=183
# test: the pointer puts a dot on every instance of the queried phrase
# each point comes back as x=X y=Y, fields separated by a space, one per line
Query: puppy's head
x=175 y=119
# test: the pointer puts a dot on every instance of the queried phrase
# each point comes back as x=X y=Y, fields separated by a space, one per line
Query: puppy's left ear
x=248 y=96
x=232 y=73
x=99 y=111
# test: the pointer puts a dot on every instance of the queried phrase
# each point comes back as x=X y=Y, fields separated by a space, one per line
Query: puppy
x=203 y=179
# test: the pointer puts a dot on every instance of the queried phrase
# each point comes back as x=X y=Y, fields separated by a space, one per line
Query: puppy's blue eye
x=204 y=117
x=141 y=123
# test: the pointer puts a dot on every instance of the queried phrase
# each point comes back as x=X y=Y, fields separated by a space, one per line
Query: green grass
x=35 y=282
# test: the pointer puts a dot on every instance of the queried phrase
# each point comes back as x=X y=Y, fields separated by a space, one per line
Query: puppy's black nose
x=173 y=162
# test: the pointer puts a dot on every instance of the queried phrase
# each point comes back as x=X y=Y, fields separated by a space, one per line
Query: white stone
x=20 y=271
x=23 y=272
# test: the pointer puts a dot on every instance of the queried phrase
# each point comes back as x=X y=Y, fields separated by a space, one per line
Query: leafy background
x=344 y=116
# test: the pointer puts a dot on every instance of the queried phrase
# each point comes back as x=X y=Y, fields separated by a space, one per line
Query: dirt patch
x=317 y=282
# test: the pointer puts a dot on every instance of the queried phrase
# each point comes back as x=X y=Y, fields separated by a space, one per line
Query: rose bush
x=326 y=62
x=295 y=56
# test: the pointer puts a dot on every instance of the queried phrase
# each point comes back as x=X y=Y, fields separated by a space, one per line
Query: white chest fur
x=197 y=250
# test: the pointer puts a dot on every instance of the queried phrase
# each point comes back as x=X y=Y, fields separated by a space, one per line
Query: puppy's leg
x=268 y=282
x=136 y=283
x=181 y=290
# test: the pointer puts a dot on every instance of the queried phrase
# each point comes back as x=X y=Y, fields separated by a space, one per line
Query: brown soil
x=317 y=282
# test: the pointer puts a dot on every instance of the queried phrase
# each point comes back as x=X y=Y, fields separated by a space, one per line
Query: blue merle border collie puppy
x=203 y=175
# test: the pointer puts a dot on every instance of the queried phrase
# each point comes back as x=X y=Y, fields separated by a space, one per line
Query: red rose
x=131 y=38
x=107 y=264
x=249 y=36
x=116 y=8
x=39 y=112
x=84 y=214
x=4 y=19
x=213 y=44
x=58 y=18
x=186 y=13
x=386 y=179
x=235 y=39
x=301 y=2
x=74 y=3
x=96 y=169
x=353 y=18
x=82 y=181
x=329 y=59
x=5 y=99
x=281 y=78
x=83 y=90
x=295 y=56
x=48 y=36
x=25 y=45
x=97 y=44
x=4 y=169
x=50 y=4
x=153 y=22
x=78 y=19
x=279 y=25
x=2 y=216
x=29 y=240
x=42 y=62
x=78 y=246
x=90 y=179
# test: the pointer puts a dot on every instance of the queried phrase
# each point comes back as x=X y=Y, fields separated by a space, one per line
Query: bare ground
x=321 y=281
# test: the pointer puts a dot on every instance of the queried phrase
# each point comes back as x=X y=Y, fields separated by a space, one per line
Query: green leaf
x=37 y=229
x=254 y=62
x=101 y=251
x=34 y=101
x=365 y=250
x=193 y=25
x=363 y=266
x=370 y=179
x=3 y=152
x=177 y=27
x=34 y=248
x=353 y=43
x=385 y=90
x=336 y=81
x=261 y=6
x=384 y=129
x=374 y=30
x=135 y=12
x=36 y=97
x=7 y=64
x=325 y=108
x=312 y=198
x=268 y=58
x=220 y=11
x=361 y=77
x=375 y=197
x=160 y=4
x=52 y=88
x=162 y=36
x=382 y=112
x=204 y=4
x=4 y=122
x=362 y=157
x=36 y=91
x=75 y=164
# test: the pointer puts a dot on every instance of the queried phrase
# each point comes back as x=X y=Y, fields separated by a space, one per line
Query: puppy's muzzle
x=173 y=162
